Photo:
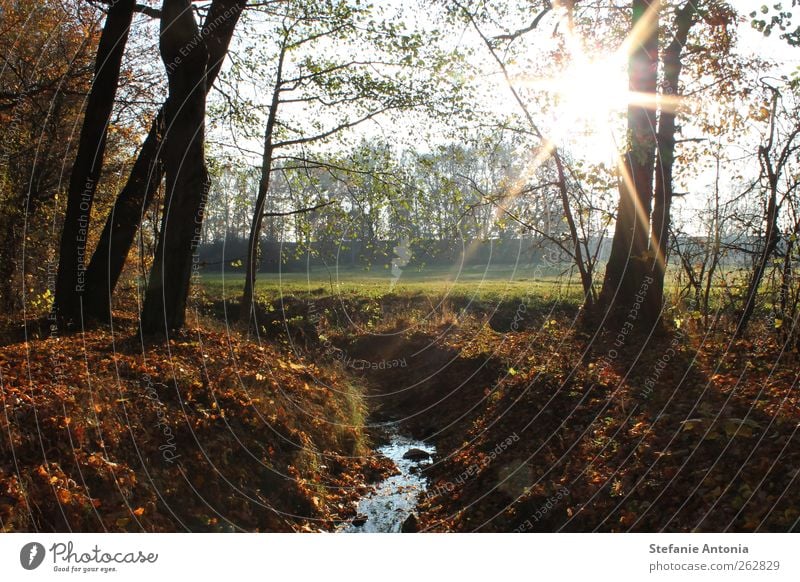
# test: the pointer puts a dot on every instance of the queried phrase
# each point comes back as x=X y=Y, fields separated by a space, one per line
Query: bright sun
x=590 y=97
x=591 y=94
x=592 y=91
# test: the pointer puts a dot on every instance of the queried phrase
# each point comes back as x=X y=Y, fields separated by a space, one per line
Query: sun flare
x=589 y=98
x=591 y=92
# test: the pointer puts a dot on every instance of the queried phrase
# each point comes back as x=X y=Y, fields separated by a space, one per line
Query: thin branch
x=330 y=132
x=517 y=33
x=300 y=210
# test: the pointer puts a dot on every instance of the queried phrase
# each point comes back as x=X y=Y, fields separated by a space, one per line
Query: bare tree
x=774 y=157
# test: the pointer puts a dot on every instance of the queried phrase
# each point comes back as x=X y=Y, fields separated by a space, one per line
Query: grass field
x=503 y=282
x=495 y=283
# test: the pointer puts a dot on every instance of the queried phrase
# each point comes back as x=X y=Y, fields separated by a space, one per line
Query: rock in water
x=410 y=525
x=416 y=455
x=359 y=520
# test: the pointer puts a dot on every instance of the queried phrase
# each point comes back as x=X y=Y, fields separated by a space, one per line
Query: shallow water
x=394 y=498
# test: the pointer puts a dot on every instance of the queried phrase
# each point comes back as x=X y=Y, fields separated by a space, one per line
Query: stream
x=394 y=498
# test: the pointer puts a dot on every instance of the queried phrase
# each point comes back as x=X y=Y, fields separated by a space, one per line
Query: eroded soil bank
x=212 y=432
x=544 y=427
x=424 y=393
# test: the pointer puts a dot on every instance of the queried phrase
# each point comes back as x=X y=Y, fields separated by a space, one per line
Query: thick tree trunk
x=185 y=56
x=627 y=262
x=252 y=259
x=133 y=201
x=70 y=281
x=665 y=160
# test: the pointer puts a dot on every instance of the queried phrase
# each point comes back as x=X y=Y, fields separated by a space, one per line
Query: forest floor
x=211 y=432
x=538 y=425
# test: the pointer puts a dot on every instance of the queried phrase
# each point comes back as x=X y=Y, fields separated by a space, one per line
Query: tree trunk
x=135 y=198
x=665 y=160
x=185 y=56
x=770 y=243
x=70 y=281
x=11 y=241
x=629 y=248
x=252 y=259
x=786 y=276
x=773 y=173
x=586 y=277
x=120 y=229
x=714 y=251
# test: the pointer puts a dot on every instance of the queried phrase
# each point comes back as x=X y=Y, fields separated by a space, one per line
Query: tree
x=547 y=148
x=626 y=265
x=47 y=51
x=85 y=175
x=665 y=157
x=147 y=173
x=637 y=264
x=354 y=87
x=775 y=157
x=185 y=56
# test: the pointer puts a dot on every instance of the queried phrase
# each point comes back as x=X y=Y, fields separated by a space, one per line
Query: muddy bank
x=421 y=383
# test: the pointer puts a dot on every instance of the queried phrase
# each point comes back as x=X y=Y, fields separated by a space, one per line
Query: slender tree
x=665 y=158
x=575 y=249
x=346 y=88
x=70 y=282
x=629 y=248
x=251 y=260
x=775 y=159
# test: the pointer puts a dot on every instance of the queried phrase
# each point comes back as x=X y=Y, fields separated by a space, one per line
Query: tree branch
x=517 y=33
x=299 y=210
x=330 y=132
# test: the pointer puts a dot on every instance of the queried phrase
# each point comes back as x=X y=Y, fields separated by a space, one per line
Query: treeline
x=228 y=255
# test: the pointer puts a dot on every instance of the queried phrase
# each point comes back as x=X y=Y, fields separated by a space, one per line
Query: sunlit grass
x=495 y=284
x=498 y=282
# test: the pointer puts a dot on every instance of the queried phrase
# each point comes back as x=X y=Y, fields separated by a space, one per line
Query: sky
x=585 y=94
